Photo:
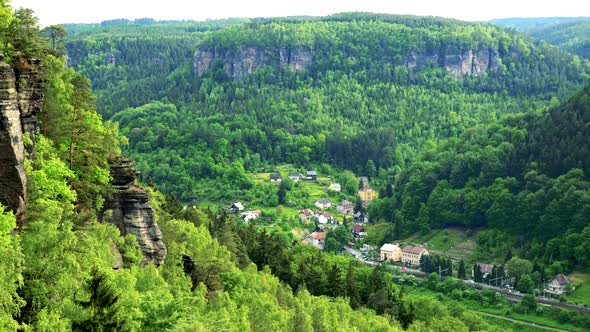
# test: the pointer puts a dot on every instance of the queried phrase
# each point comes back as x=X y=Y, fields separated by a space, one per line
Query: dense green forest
x=524 y=178
x=63 y=269
x=571 y=33
x=199 y=136
x=503 y=151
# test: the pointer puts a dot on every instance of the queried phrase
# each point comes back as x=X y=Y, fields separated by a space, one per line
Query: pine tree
x=102 y=306
x=477 y=275
x=461 y=270
x=336 y=283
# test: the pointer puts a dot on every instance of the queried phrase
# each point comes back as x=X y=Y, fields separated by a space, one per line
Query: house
x=312 y=175
x=305 y=215
x=236 y=207
x=295 y=176
x=391 y=252
x=486 y=269
x=558 y=284
x=345 y=207
x=367 y=194
x=412 y=254
x=250 y=215
x=317 y=239
x=275 y=177
x=335 y=187
x=323 y=203
x=323 y=217
x=358 y=231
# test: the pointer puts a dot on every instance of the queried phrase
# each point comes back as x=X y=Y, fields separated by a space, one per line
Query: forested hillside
x=129 y=62
x=407 y=112
x=524 y=178
x=64 y=269
x=569 y=33
x=375 y=87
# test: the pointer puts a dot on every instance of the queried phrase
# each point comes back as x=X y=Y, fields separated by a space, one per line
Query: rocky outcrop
x=131 y=211
x=20 y=99
x=246 y=59
x=459 y=64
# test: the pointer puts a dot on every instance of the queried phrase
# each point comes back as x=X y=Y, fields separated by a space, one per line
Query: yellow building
x=391 y=252
x=367 y=194
x=411 y=254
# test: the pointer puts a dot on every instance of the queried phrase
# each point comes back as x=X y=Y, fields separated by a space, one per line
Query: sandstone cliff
x=246 y=59
x=131 y=212
x=457 y=64
x=20 y=99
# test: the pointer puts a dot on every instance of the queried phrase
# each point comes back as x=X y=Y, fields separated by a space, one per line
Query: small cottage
x=317 y=239
x=345 y=207
x=305 y=215
x=275 y=177
x=558 y=284
x=295 y=176
x=236 y=207
x=250 y=215
x=335 y=187
x=312 y=175
x=358 y=231
x=323 y=203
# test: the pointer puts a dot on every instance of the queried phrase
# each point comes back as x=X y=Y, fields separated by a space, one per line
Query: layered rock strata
x=237 y=63
x=20 y=99
x=131 y=211
x=246 y=59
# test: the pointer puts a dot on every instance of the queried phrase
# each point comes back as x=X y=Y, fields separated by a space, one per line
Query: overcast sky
x=84 y=11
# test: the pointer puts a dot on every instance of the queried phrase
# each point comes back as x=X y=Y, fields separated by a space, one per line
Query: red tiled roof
x=486 y=268
x=561 y=279
x=318 y=235
x=358 y=228
x=413 y=249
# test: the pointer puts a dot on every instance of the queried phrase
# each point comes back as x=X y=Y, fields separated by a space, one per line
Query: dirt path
x=523 y=322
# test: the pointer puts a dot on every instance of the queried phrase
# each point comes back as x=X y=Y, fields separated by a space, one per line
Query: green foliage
x=347 y=109
x=502 y=176
x=102 y=306
x=71 y=121
x=569 y=33
x=11 y=260
x=19 y=34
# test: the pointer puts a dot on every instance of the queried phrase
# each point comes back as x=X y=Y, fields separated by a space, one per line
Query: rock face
x=459 y=64
x=131 y=211
x=246 y=59
x=20 y=99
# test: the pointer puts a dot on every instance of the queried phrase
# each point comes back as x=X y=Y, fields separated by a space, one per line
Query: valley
x=348 y=172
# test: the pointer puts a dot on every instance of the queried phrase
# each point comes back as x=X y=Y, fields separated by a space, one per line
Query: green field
x=582 y=293
x=453 y=241
x=502 y=310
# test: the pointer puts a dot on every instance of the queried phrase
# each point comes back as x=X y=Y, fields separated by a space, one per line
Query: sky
x=84 y=11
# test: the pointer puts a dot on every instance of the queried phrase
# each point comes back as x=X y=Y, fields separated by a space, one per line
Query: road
x=514 y=297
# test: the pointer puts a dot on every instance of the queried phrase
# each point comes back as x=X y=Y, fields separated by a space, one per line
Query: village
x=327 y=215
